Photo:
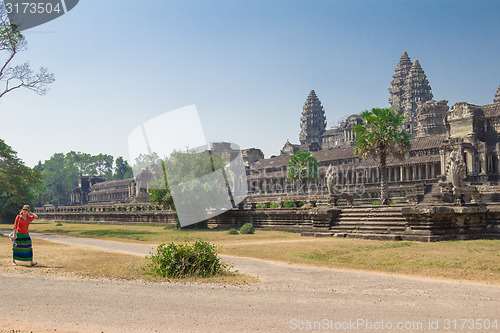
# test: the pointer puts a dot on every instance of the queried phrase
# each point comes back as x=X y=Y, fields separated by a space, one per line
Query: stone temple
x=437 y=130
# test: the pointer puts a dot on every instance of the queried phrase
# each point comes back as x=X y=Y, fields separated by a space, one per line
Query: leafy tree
x=145 y=160
x=61 y=172
x=122 y=169
x=382 y=135
x=19 y=76
x=16 y=183
x=303 y=168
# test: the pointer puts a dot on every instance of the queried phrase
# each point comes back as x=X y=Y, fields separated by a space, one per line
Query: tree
x=382 y=135
x=19 y=76
x=16 y=183
x=122 y=169
x=303 y=167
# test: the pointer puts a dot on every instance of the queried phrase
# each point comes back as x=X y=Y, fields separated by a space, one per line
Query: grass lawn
x=477 y=261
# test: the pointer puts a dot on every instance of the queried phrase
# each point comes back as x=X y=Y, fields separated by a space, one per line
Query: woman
x=21 y=249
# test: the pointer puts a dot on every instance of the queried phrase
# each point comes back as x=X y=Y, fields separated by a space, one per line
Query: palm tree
x=382 y=135
x=303 y=167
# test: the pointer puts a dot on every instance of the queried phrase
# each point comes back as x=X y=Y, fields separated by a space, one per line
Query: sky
x=247 y=65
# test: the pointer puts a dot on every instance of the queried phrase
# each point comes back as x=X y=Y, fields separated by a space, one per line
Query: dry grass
x=56 y=259
x=477 y=261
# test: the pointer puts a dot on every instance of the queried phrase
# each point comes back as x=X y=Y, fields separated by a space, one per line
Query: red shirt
x=22 y=225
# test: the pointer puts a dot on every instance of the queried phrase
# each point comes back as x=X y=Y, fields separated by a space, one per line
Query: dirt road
x=288 y=298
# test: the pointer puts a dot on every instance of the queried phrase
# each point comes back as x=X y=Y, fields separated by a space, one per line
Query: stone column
x=414 y=172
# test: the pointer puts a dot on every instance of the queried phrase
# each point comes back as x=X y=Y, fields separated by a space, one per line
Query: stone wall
x=404 y=222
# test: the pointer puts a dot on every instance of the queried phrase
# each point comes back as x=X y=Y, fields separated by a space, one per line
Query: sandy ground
x=288 y=298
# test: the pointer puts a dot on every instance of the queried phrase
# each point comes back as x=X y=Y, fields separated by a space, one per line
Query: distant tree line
x=52 y=181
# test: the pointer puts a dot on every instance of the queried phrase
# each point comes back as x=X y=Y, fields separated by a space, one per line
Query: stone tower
x=418 y=90
x=431 y=118
x=398 y=89
x=313 y=120
x=497 y=96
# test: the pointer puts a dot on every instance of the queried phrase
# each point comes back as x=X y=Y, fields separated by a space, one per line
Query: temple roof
x=112 y=183
x=491 y=110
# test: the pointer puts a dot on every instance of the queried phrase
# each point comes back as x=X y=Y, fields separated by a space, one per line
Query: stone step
x=371 y=218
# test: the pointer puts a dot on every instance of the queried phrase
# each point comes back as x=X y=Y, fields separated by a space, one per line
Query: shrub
x=288 y=204
x=171 y=226
x=94 y=222
x=375 y=202
x=260 y=206
x=247 y=228
x=59 y=224
x=186 y=260
x=301 y=203
x=392 y=203
x=232 y=231
x=274 y=205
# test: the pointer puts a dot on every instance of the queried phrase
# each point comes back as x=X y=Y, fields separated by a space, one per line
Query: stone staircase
x=372 y=222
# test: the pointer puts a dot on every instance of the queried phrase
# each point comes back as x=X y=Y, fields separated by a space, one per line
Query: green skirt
x=22 y=248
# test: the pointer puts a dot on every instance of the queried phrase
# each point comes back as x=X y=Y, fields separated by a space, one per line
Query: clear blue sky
x=247 y=65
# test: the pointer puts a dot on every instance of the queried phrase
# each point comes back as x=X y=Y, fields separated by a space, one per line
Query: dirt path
x=288 y=298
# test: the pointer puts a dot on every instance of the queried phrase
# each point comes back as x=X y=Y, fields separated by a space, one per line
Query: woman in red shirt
x=22 y=248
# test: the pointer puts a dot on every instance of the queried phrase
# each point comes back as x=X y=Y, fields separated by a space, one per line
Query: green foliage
x=380 y=136
x=247 y=228
x=172 y=226
x=94 y=222
x=232 y=231
x=17 y=183
x=301 y=203
x=260 y=206
x=303 y=167
x=392 y=203
x=375 y=202
x=122 y=169
x=186 y=260
x=288 y=204
x=60 y=175
x=59 y=224
x=274 y=205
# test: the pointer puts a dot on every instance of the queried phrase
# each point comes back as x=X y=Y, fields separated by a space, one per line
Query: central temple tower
x=410 y=88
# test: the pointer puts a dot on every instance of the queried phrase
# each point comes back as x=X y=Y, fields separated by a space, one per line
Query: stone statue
x=331 y=179
x=456 y=168
x=456 y=174
x=335 y=194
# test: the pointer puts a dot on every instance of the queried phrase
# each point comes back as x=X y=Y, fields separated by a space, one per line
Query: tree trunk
x=384 y=195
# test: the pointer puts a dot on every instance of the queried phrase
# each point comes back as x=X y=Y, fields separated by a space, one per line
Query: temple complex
x=436 y=129
x=438 y=132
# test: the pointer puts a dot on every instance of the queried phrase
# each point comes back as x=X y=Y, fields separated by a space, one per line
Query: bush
x=375 y=202
x=247 y=228
x=260 y=206
x=59 y=224
x=232 y=231
x=288 y=204
x=274 y=205
x=186 y=260
x=301 y=203
x=392 y=203
x=172 y=226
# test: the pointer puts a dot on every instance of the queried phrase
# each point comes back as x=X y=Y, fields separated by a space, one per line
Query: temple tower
x=313 y=120
x=418 y=90
x=497 y=96
x=399 y=83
